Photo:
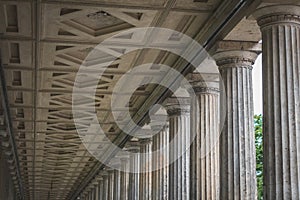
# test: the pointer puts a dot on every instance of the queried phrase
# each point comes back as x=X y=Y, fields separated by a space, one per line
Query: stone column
x=280 y=27
x=179 y=122
x=100 y=185
x=133 y=187
x=87 y=195
x=105 y=188
x=110 y=189
x=145 y=167
x=90 y=193
x=237 y=140
x=93 y=193
x=124 y=178
x=116 y=184
x=97 y=197
x=204 y=153
x=159 y=160
x=81 y=196
x=84 y=196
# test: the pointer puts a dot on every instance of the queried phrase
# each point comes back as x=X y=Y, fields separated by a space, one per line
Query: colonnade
x=220 y=163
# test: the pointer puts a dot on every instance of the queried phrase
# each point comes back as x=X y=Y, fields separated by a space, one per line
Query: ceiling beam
x=9 y=127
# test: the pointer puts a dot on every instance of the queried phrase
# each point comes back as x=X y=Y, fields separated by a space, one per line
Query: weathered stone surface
x=237 y=148
x=124 y=178
x=133 y=187
x=280 y=26
x=105 y=185
x=111 y=179
x=179 y=125
x=160 y=177
x=117 y=185
x=204 y=155
x=145 y=167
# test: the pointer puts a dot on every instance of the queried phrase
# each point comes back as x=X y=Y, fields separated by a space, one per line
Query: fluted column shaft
x=105 y=186
x=116 y=184
x=145 y=167
x=97 y=191
x=93 y=194
x=87 y=195
x=133 y=187
x=179 y=122
x=159 y=161
x=110 y=189
x=90 y=194
x=204 y=153
x=237 y=140
x=155 y=173
x=124 y=179
x=100 y=189
x=280 y=27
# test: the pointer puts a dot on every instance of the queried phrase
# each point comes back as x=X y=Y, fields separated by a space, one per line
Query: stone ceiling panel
x=246 y=30
x=16 y=19
x=90 y=23
x=200 y=5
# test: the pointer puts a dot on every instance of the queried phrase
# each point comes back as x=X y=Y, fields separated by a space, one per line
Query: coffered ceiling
x=43 y=44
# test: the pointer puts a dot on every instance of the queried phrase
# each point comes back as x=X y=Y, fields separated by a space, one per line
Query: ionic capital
x=115 y=163
x=145 y=141
x=178 y=106
x=204 y=83
x=133 y=146
x=158 y=122
x=104 y=173
x=134 y=149
x=235 y=59
x=277 y=14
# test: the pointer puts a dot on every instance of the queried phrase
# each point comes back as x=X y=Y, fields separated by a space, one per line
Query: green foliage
x=259 y=154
